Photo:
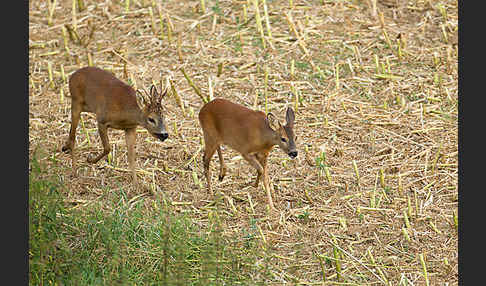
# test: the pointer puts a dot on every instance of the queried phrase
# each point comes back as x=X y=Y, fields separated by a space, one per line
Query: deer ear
x=273 y=122
x=290 y=116
x=141 y=100
x=164 y=93
x=153 y=91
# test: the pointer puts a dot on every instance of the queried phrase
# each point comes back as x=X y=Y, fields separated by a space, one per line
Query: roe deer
x=250 y=132
x=116 y=105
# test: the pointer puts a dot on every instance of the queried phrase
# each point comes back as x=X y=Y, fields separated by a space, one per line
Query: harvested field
x=371 y=198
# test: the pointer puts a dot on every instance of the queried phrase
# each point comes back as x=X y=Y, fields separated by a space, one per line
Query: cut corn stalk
x=49 y=70
x=255 y=101
x=74 y=17
x=210 y=89
x=179 y=47
x=127 y=6
x=151 y=13
x=328 y=175
x=191 y=83
x=203 y=6
x=90 y=60
x=177 y=96
x=321 y=263
x=372 y=260
x=51 y=7
x=405 y=233
x=337 y=261
x=336 y=74
x=382 y=178
x=356 y=172
x=259 y=22
x=267 y=21
x=292 y=69
x=220 y=69
x=85 y=131
x=405 y=218
x=245 y=13
x=434 y=227
x=424 y=269
x=196 y=180
x=409 y=206
x=161 y=22
x=455 y=219
x=265 y=87
x=63 y=75
x=81 y=6
x=170 y=27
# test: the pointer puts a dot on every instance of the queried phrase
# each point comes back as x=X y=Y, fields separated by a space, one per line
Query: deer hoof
x=91 y=159
x=66 y=149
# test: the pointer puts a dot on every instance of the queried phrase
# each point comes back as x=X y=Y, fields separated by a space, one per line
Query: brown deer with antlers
x=116 y=105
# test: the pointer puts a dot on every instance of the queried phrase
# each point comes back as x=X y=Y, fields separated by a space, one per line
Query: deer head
x=285 y=134
x=153 y=116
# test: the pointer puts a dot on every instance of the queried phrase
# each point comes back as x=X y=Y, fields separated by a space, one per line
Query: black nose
x=293 y=154
x=162 y=136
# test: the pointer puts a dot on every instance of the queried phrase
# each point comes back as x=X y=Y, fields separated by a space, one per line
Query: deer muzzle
x=162 y=136
x=293 y=154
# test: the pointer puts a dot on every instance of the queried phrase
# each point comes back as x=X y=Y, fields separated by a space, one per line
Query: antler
x=164 y=93
x=147 y=98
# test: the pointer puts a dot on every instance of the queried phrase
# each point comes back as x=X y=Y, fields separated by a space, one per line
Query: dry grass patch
x=372 y=197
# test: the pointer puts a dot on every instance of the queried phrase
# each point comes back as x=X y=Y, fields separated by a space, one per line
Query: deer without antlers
x=250 y=132
x=116 y=105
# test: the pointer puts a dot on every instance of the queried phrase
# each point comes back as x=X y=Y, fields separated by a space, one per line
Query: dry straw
x=383 y=103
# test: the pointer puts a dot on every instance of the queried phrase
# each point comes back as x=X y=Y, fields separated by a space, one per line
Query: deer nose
x=163 y=136
x=293 y=154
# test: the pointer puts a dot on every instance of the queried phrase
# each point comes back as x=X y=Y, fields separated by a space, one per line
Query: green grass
x=131 y=243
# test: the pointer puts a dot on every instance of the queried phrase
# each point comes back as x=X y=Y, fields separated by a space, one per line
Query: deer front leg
x=131 y=139
x=254 y=160
x=262 y=158
x=266 y=184
x=103 y=131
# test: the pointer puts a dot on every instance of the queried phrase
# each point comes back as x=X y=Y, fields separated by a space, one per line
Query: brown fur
x=247 y=131
x=116 y=106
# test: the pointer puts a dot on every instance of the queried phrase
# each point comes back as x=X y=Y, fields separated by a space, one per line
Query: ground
x=374 y=88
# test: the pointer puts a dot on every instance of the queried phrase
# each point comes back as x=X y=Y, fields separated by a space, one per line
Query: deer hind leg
x=131 y=138
x=222 y=165
x=75 y=115
x=209 y=150
x=70 y=142
x=103 y=131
